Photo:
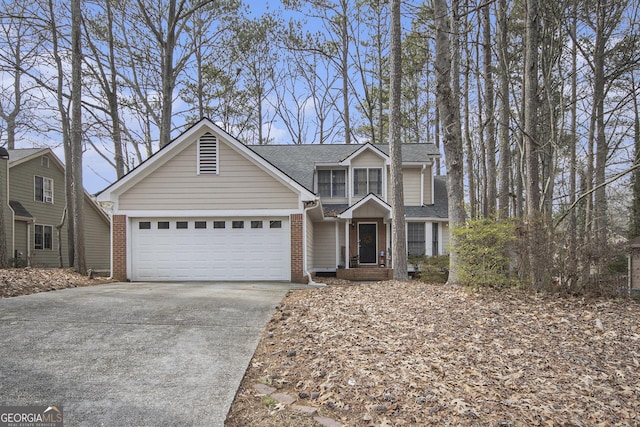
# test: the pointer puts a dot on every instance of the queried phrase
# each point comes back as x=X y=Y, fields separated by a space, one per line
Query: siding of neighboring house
x=21 y=241
x=48 y=214
x=96 y=237
x=240 y=184
x=4 y=205
x=324 y=246
x=96 y=226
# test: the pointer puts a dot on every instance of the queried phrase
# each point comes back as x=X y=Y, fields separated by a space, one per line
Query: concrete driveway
x=136 y=354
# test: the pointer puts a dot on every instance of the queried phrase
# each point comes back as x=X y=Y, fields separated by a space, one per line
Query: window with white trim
x=43 y=189
x=367 y=180
x=208 y=154
x=416 y=239
x=43 y=237
x=331 y=182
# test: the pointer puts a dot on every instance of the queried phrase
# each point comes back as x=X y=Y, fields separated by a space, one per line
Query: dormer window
x=208 y=154
x=331 y=182
x=367 y=180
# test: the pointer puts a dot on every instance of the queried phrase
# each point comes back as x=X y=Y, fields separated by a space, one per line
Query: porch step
x=368 y=274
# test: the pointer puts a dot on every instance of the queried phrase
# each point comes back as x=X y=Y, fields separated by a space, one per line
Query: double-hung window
x=43 y=237
x=331 y=182
x=416 y=239
x=367 y=180
x=43 y=189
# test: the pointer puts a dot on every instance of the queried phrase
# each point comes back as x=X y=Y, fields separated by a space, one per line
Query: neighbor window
x=237 y=224
x=218 y=224
x=43 y=189
x=201 y=224
x=275 y=224
x=367 y=180
x=43 y=237
x=331 y=183
x=416 y=238
x=144 y=225
x=434 y=242
x=256 y=224
x=163 y=225
x=181 y=225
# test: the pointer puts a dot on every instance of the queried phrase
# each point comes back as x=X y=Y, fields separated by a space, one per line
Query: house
x=207 y=207
x=36 y=206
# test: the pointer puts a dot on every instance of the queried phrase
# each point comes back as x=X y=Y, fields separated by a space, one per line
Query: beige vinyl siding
x=96 y=235
x=412 y=186
x=324 y=246
x=22 y=190
x=446 y=237
x=310 y=238
x=367 y=159
x=428 y=186
x=240 y=184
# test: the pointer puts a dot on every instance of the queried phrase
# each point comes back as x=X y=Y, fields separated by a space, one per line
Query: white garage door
x=210 y=249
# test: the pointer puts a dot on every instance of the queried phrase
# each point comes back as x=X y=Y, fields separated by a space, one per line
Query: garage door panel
x=210 y=253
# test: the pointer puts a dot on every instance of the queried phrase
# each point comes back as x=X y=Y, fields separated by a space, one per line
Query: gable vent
x=208 y=154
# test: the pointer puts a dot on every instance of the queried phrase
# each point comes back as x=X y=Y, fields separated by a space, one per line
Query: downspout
x=305 y=269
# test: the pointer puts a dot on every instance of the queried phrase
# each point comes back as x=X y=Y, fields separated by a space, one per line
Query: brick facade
x=119 y=248
x=297 y=249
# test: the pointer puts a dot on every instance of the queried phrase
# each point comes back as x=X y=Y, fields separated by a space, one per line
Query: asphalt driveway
x=137 y=354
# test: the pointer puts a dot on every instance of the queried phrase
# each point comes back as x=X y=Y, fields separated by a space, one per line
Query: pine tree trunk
x=449 y=104
x=399 y=249
x=505 y=114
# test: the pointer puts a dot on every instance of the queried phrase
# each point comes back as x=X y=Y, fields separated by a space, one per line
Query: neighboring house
x=207 y=207
x=36 y=193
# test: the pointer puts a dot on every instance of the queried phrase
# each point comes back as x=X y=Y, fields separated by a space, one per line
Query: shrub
x=484 y=247
x=430 y=269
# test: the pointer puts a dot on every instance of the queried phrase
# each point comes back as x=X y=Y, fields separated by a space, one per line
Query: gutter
x=305 y=271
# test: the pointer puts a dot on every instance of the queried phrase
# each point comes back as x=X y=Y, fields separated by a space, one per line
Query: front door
x=368 y=242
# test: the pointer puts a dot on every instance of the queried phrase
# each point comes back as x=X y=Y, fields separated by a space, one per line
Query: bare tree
x=79 y=262
x=398 y=237
x=449 y=106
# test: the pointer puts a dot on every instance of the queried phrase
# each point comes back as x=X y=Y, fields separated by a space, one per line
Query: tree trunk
x=398 y=238
x=634 y=230
x=531 y=143
x=572 y=249
x=66 y=131
x=344 y=68
x=505 y=113
x=490 y=133
x=76 y=137
x=452 y=139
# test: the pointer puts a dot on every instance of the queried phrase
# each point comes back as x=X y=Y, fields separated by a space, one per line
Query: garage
x=188 y=249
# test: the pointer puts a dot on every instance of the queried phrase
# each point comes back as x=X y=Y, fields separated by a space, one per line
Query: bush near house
x=484 y=253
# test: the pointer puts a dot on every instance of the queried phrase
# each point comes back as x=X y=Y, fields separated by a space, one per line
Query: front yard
x=408 y=353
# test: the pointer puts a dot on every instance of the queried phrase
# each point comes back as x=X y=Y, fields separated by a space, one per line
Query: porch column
x=347 y=255
x=119 y=247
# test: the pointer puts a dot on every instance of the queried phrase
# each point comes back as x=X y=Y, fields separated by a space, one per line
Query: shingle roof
x=299 y=161
x=19 y=210
x=21 y=153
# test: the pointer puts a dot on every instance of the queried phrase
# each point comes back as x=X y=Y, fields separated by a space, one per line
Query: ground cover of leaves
x=414 y=354
x=24 y=281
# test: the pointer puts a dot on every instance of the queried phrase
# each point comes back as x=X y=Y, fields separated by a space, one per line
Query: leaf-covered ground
x=24 y=281
x=413 y=354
